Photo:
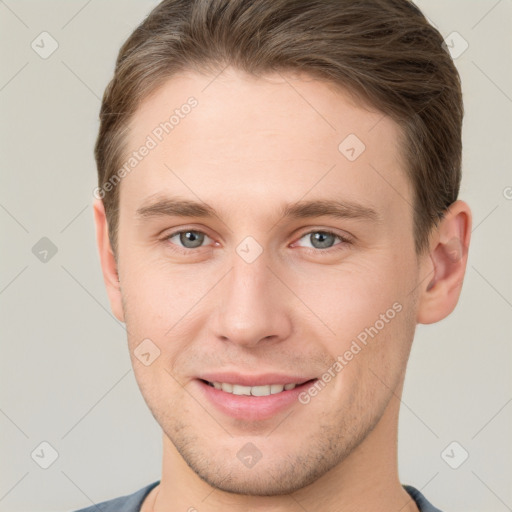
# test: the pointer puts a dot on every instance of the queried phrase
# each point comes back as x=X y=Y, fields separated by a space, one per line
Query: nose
x=252 y=305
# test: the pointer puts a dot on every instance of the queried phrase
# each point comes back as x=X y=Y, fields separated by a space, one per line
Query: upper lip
x=254 y=380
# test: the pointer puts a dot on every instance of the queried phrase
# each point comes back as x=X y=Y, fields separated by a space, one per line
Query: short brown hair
x=384 y=51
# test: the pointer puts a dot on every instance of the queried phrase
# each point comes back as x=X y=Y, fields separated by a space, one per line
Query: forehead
x=273 y=136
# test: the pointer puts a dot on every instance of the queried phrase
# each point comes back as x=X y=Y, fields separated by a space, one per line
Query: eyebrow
x=177 y=207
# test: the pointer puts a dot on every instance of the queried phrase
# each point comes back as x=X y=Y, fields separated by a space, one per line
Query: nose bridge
x=251 y=307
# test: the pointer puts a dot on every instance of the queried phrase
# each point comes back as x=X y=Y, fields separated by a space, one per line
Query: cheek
x=352 y=296
x=368 y=310
x=156 y=295
x=163 y=317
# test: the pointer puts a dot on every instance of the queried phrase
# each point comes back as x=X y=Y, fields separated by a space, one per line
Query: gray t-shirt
x=133 y=502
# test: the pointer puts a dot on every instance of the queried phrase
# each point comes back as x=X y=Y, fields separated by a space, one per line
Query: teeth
x=228 y=388
x=238 y=389
x=276 y=388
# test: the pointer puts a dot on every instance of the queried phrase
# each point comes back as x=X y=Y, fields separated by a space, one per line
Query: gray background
x=66 y=376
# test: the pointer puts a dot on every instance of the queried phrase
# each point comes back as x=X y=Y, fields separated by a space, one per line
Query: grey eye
x=321 y=239
x=190 y=239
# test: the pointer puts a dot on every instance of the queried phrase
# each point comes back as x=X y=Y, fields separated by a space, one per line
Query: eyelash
x=344 y=241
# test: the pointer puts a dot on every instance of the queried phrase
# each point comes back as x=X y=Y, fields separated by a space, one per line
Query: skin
x=250 y=146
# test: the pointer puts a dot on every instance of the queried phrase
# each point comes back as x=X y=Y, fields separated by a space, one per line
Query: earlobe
x=108 y=263
x=447 y=260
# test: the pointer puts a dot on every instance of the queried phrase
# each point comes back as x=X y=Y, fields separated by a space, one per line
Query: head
x=278 y=186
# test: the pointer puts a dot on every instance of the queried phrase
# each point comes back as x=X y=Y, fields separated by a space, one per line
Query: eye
x=188 y=238
x=322 y=239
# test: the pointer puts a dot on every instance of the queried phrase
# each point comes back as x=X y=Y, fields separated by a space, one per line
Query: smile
x=265 y=390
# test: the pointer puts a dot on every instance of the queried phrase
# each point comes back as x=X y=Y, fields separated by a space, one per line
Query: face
x=297 y=261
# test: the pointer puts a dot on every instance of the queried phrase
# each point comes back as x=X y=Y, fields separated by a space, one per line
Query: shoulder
x=128 y=503
x=422 y=503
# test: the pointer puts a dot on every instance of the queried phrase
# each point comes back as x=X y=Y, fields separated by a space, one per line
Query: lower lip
x=252 y=408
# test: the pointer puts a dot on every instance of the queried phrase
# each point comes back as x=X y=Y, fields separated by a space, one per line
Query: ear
x=446 y=262
x=108 y=262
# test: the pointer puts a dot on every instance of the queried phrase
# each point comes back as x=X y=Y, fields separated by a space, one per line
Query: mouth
x=252 y=403
x=255 y=391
